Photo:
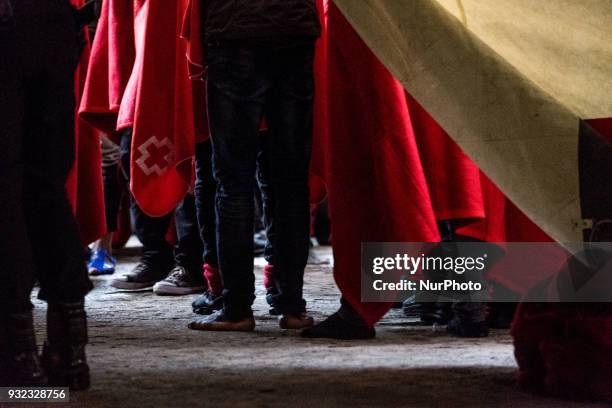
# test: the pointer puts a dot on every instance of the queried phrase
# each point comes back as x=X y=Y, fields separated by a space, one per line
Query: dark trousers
x=39 y=238
x=151 y=231
x=113 y=186
x=246 y=82
x=205 y=190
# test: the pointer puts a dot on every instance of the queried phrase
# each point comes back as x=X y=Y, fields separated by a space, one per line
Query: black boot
x=64 y=351
x=20 y=366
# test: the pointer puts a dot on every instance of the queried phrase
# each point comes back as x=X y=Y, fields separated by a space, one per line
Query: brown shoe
x=218 y=322
x=295 y=322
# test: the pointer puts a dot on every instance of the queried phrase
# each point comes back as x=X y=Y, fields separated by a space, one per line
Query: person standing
x=259 y=55
x=40 y=44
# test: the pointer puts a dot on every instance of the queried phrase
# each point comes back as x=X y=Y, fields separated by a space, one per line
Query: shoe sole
x=117 y=284
x=95 y=272
x=205 y=311
x=284 y=324
x=221 y=327
x=169 y=290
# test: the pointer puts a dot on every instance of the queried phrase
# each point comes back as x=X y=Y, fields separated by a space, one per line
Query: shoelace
x=177 y=273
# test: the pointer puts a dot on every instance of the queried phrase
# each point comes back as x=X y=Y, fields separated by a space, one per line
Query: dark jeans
x=151 y=231
x=244 y=84
x=205 y=191
x=112 y=196
x=113 y=188
x=39 y=236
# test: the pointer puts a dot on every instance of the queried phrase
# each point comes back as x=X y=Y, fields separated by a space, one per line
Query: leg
x=205 y=191
x=289 y=115
x=157 y=258
x=51 y=225
x=237 y=85
x=102 y=261
x=185 y=277
x=18 y=353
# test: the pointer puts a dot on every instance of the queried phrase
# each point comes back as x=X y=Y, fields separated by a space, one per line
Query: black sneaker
x=144 y=275
x=179 y=282
x=207 y=303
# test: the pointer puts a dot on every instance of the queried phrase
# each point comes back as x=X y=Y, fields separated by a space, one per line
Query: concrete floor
x=142 y=355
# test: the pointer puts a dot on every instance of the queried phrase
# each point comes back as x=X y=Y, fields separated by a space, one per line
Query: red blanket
x=377 y=188
x=84 y=184
x=110 y=66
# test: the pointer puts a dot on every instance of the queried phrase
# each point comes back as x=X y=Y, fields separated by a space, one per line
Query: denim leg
x=267 y=195
x=188 y=251
x=237 y=85
x=289 y=114
x=205 y=191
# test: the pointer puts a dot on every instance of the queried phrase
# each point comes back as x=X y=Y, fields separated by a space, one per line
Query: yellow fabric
x=508 y=80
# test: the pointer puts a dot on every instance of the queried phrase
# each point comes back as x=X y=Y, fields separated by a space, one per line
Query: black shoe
x=144 y=275
x=21 y=366
x=335 y=327
x=207 y=303
x=63 y=354
x=461 y=328
x=428 y=312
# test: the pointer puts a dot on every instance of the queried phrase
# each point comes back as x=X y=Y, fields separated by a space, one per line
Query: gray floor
x=142 y=355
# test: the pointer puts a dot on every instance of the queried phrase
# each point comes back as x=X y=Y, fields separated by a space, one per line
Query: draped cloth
x=483 y=71
x=84 y=184
x=139 y=79
x=510 y=82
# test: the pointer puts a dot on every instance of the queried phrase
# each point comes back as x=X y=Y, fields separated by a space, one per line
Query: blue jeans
x=247 y=82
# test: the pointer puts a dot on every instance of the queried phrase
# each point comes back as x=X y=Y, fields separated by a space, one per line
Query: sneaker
x=295 y=322
x=101 y=263
x=219 y=322
x=142 y=276
x=207 y=303
x=179 y=282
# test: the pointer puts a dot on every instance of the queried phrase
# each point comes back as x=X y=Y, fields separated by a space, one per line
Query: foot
x=335 y=327
x=179 y=282
x=19 y=363
x=207 y=303
x=219 y=322
x=144 y=275
x=101 y=263
x=427 y=312
x=63 y=354
x=460 y=328
x=295 y=322
x=314 y=259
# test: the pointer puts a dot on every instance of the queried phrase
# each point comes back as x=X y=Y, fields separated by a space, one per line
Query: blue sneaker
x=101 y=263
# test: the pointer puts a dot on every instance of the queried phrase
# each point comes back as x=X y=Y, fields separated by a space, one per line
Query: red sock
x=268 y=278
x=213 y=277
